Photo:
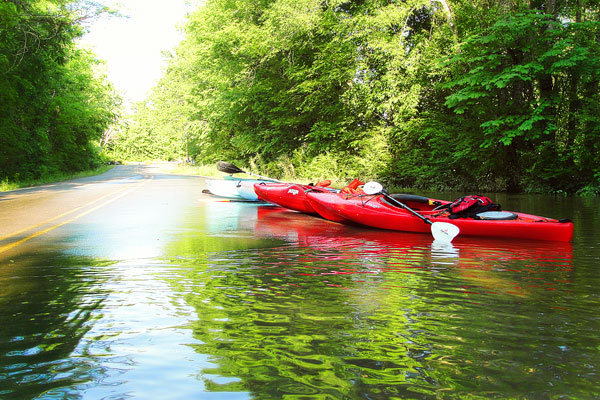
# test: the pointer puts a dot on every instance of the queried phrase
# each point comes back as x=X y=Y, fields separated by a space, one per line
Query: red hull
x=375 y=212
x=288 y=195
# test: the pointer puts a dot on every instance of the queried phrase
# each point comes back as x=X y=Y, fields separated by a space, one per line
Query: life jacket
x=470 y=206
x=324 y=183
x=353 y=187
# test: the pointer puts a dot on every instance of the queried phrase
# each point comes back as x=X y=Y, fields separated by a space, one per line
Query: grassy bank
x=187 y=169
x=7 y=185
x=211 y=171
x=288 y=174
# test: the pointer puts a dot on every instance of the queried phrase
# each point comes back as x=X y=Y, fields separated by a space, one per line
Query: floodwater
x=224 y=300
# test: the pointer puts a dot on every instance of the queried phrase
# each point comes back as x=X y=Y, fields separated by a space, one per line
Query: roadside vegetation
x=285 y=173
x=55 y=100
x=443 y=94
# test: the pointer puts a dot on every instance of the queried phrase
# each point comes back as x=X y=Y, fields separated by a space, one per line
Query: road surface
x=127 y=203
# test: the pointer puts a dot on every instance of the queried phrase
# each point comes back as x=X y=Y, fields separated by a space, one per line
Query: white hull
x=246 y=190
x=223 y=188
x=233 y=188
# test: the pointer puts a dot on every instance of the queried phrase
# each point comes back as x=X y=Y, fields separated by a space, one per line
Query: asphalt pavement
x=126 y=198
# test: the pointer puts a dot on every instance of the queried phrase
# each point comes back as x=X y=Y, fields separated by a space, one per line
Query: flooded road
x=137 y=285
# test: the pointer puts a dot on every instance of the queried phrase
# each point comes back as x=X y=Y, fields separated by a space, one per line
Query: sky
x=132 y=47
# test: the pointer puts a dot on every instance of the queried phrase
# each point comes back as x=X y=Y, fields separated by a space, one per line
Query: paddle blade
x=444 y=232
x=228 y=168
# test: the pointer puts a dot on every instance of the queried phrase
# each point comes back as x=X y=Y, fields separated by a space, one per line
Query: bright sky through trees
x=132 y=46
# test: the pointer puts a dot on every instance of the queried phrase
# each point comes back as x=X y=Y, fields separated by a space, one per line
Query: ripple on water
x=317 y=313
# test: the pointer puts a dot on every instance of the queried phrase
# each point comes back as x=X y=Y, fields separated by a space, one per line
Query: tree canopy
x=56 y=103
x=436 y=94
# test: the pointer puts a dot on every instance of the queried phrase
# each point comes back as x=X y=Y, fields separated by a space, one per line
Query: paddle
x=230 y=168
x=442 y=231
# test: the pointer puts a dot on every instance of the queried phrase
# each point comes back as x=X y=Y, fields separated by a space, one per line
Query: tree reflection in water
x=338 y=312
x=47 y=306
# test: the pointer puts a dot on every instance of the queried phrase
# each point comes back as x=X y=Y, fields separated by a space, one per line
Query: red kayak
x=376 y=211
x=292 y=196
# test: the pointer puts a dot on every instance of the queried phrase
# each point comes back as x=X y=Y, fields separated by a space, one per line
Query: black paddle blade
x=228 y=168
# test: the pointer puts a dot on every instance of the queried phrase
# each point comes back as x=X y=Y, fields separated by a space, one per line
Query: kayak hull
x=325 y=212
x=240 y=189
x=293 y=197
x=376 y=212
x=223 y=188
x=245 y=189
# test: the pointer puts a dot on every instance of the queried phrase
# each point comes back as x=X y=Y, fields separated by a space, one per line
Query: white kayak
x=232 y=188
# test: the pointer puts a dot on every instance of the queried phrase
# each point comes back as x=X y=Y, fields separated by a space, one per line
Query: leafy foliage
x=525 y=80
x=56 y=102
x=442 y=94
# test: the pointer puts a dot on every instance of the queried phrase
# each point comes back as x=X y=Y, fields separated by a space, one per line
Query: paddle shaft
x=399 y=203
x=441 y=231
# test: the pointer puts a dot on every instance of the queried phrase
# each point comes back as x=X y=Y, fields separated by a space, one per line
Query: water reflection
x=244 y=301
x=46 y=308
x=344 y=312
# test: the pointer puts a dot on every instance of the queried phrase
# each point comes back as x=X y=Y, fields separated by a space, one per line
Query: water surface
x=224 y=300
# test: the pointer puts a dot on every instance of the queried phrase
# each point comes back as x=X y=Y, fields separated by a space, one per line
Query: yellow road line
x=39 y=233
x=55 y=218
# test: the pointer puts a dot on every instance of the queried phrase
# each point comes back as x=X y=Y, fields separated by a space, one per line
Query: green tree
x=55 y=100
x=524 y=82
x=444 y=94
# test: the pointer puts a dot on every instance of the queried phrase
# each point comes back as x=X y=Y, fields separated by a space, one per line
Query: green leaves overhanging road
x=436 y=94
x=54 y=103
x=492 y=95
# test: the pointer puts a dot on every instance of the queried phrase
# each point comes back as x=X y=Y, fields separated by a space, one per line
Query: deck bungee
x=378 y=212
